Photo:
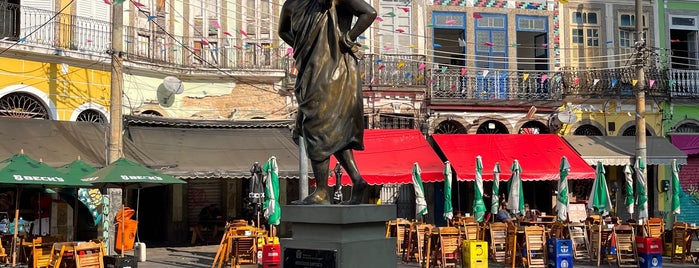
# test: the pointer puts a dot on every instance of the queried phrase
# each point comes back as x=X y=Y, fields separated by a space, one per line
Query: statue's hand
x=349 y=45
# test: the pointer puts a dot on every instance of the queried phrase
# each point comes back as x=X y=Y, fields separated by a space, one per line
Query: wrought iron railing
x=684 y=83
x=393 y=70
x=27 y=25
x=450 y=85
x=603 y=83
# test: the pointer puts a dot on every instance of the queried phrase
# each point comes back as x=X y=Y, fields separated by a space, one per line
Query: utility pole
x=116 y=145
x=640 y=93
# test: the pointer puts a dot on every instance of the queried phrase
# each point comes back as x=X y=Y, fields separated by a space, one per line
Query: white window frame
x=586 y=27
x=683 y=27
x=387 y=29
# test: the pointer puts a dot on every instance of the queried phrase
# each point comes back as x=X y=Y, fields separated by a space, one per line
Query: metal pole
x=115 y=114
x=640 y=89
x=303 y=169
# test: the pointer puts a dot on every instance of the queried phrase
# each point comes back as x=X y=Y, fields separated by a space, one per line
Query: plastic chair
x=498 y=241
x=535 y=238
x=625 y=239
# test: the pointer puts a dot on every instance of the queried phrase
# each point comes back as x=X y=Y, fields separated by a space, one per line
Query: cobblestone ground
x=203 y=256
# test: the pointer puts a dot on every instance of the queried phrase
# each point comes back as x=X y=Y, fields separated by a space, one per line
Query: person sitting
x=210 y=218
x=504 y=215
x=530 y=214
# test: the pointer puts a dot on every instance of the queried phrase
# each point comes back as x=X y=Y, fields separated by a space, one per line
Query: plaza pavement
x=203 y=256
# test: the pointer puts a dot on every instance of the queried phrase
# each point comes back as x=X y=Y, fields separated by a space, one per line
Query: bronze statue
x=330 y=116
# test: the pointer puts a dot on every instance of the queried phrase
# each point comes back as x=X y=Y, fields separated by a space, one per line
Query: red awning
x=538 y=154
x=389 y=155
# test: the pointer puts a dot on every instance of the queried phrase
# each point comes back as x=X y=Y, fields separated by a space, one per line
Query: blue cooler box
x=559 y=247
x=560 y=262
x=650 y=260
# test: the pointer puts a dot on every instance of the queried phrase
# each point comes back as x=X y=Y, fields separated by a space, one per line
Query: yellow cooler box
x=474 y=253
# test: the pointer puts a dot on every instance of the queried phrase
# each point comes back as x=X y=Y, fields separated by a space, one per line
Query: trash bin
x=129 y=228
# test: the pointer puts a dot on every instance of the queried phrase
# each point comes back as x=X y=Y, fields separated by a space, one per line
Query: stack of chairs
x=680 y=241
x=89 y=255
x=399 y=228
x=41 y=254
x=557 y=230
x=448 y=248
x=498 y=241
x=416 y=241
x=511 y=252
x=598 y=242
x=626 y=254
x=535 y=237
x=581 y=244
x=655 y=227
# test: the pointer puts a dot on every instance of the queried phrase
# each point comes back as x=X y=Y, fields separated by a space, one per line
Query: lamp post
x=337 y=197
x=256 y=194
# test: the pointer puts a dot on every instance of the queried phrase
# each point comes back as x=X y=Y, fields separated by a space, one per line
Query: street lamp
x=337 y=197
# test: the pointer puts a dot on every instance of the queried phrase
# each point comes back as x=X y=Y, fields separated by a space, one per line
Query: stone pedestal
x=335 y=236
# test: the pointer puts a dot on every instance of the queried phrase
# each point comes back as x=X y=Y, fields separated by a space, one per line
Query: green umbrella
x=448 y=207
x=599 y=196
x=641 y=187
x=23 y=171
x=515 y=196
x=125 y=174
x=272 y=208
x=79 y=169
x=562 y=198
x=420 y=203
x=478 y=205
x=676 y=188
x=628 y=185
x=495 y=204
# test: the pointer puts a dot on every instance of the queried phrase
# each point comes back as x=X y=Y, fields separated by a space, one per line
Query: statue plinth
x=340 y=236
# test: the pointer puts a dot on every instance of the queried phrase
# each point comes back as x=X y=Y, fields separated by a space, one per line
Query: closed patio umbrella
x=420 y=202
x=676 y=187
x=515 y=197
x=599 y=196
x=272 y=208
x=478 y=205
x=562 y=197
x=495 y=203
x=448 y=207
x=628 y=185
x=641 y=186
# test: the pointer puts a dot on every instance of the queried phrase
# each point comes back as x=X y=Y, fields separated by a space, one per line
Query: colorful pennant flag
x=594 y=82
x=151 y=18
x=379 y=19
x=391 y=14
x=463 y=71
x=435 y=45
x=215 y=24
x=670 y=83
x=651 y=83
x=614 y=82
x=525 y=77
x=453 y=87
x=634 y=82
x=489 y=44
x=462 y=42
x=407 y=75
x=421 y=67
x=477 y=16
x=405 y=9
x=204 y=42
x=137 y=4
x=107 y=2
x=401 y=64
x=361 y=37
x=382 y=67
x=450 y=22
x=485 y=73
x=290 y=51
x=544 y=77
x=576 y=80
x=444 y=69
x=227 y=33
x=241 y=31
x=399 y=30
x=387 y=47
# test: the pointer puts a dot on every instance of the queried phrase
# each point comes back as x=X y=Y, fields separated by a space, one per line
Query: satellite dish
x=173 y=84
x=567 y=117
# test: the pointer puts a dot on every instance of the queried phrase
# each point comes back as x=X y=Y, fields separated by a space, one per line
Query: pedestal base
x=335 y=236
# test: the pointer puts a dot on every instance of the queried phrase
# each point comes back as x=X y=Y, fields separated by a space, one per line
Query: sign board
x=309 y=258
x=577 y=212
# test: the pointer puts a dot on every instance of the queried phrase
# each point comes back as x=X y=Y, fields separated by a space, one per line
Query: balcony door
x=491 y=56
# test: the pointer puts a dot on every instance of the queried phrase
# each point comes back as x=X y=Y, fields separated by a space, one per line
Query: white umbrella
x=478 y=205
x=448 y=207
x=495 y=204
x=420 y=202
x=562 y=198
x=515 y=198
x=628 y=185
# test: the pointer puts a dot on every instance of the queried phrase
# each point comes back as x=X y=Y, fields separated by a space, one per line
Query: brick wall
x=246 y=101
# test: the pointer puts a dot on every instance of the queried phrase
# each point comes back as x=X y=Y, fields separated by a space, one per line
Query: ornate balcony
x=393 y=70
x=611 y=83
x=71 y=33
x=684 y=83
x=450 y=86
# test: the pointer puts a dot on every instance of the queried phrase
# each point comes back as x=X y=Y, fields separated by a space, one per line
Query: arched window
x=688 y=128
x=151 y=113
x=450 y=127
x=492 y=127
x=534 y=127
x=22 y=105
x=588 y=130
x=631 y=131
x=93 y=116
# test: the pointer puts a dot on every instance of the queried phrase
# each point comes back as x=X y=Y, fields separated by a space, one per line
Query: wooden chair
x=401 y=230
x=655 y=227
x=511 y=252
x=680 y=239
x=40 y=254
x=598 y=242
x=3 y=254
x=498 y=241
x=57 y=251
x=625 y=238
x=581 y=245
x=448 y=248
x=556 y=230
x=89 y=255
x=535 y=239
x=245 y=249
x=416 y=241
x=470 y=231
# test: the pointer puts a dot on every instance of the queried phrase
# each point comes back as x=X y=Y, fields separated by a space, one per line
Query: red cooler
x=649 y=245
x=271 y=256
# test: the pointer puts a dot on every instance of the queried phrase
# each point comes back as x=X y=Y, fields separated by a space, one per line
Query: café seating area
x=51 y=251
x=242 y=243
x=546 y=242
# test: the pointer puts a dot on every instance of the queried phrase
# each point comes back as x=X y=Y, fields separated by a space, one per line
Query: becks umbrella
x=272 y=209
x=515 y=196
x=599 y=196
x=22 y=171
x=562 y=198
x=628 y=185
x=420 y=203
x=676 y=188
x=478 y=205
x=495 y=204
x=448 y=207
x=125 y=174
x=641 y=188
